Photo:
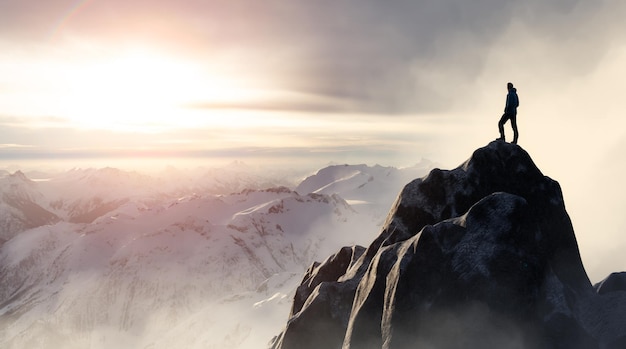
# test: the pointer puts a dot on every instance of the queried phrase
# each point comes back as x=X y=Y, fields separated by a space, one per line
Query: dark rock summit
x=612 y=283
x=482 y=256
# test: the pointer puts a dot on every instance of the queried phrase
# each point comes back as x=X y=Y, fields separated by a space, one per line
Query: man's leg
x=503 y=120
x=514 y=125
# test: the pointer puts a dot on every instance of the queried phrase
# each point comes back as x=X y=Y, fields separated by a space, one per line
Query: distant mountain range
x=103 y=258
x=83 y=195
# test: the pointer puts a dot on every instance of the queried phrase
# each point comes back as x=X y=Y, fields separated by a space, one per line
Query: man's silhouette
x=510 y=113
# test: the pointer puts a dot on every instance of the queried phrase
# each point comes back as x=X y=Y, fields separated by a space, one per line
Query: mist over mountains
x=105 y=258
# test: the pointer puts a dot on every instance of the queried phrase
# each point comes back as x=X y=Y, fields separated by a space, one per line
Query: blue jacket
x=512 y=101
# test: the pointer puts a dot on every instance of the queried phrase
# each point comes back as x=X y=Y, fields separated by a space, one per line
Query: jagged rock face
x=482 y=256
x=612 y=283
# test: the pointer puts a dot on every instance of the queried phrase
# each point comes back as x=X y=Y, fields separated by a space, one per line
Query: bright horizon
x=308 y=83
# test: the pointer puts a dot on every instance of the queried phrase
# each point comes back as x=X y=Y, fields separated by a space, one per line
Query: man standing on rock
x=510 y=113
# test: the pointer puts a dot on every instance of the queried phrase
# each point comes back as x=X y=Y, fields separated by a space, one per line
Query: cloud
x=15 y=146
x=381 y=57
x=278 y=101
x=424 y=56
x=40 y=121
x=448 y=59
x=351 y=57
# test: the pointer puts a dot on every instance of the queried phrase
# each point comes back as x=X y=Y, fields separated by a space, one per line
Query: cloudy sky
x=353 y=81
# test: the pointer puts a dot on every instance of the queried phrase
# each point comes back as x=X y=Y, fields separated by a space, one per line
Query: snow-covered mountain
x=155 y=271
x=83 y=195
x=20 y=207
x=369 y=189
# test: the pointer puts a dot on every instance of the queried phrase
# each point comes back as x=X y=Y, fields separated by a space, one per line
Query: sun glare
x=141 y=91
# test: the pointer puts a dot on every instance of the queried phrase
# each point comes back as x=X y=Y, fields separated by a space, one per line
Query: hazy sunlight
x=141 y=91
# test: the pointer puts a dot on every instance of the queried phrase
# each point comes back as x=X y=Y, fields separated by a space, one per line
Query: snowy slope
x=141 y=273
x=82 y=195
x=20 y=207
x=178 y=259
x=369 y=189
x=361 y=182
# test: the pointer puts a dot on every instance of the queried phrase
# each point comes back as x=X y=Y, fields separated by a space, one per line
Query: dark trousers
x=505 y=117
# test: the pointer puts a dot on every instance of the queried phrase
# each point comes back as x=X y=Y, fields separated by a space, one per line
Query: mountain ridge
x=486 y=251
x=220 y=267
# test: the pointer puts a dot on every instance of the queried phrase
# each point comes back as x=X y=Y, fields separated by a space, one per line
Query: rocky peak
x=20 y=176
x=481 y=256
